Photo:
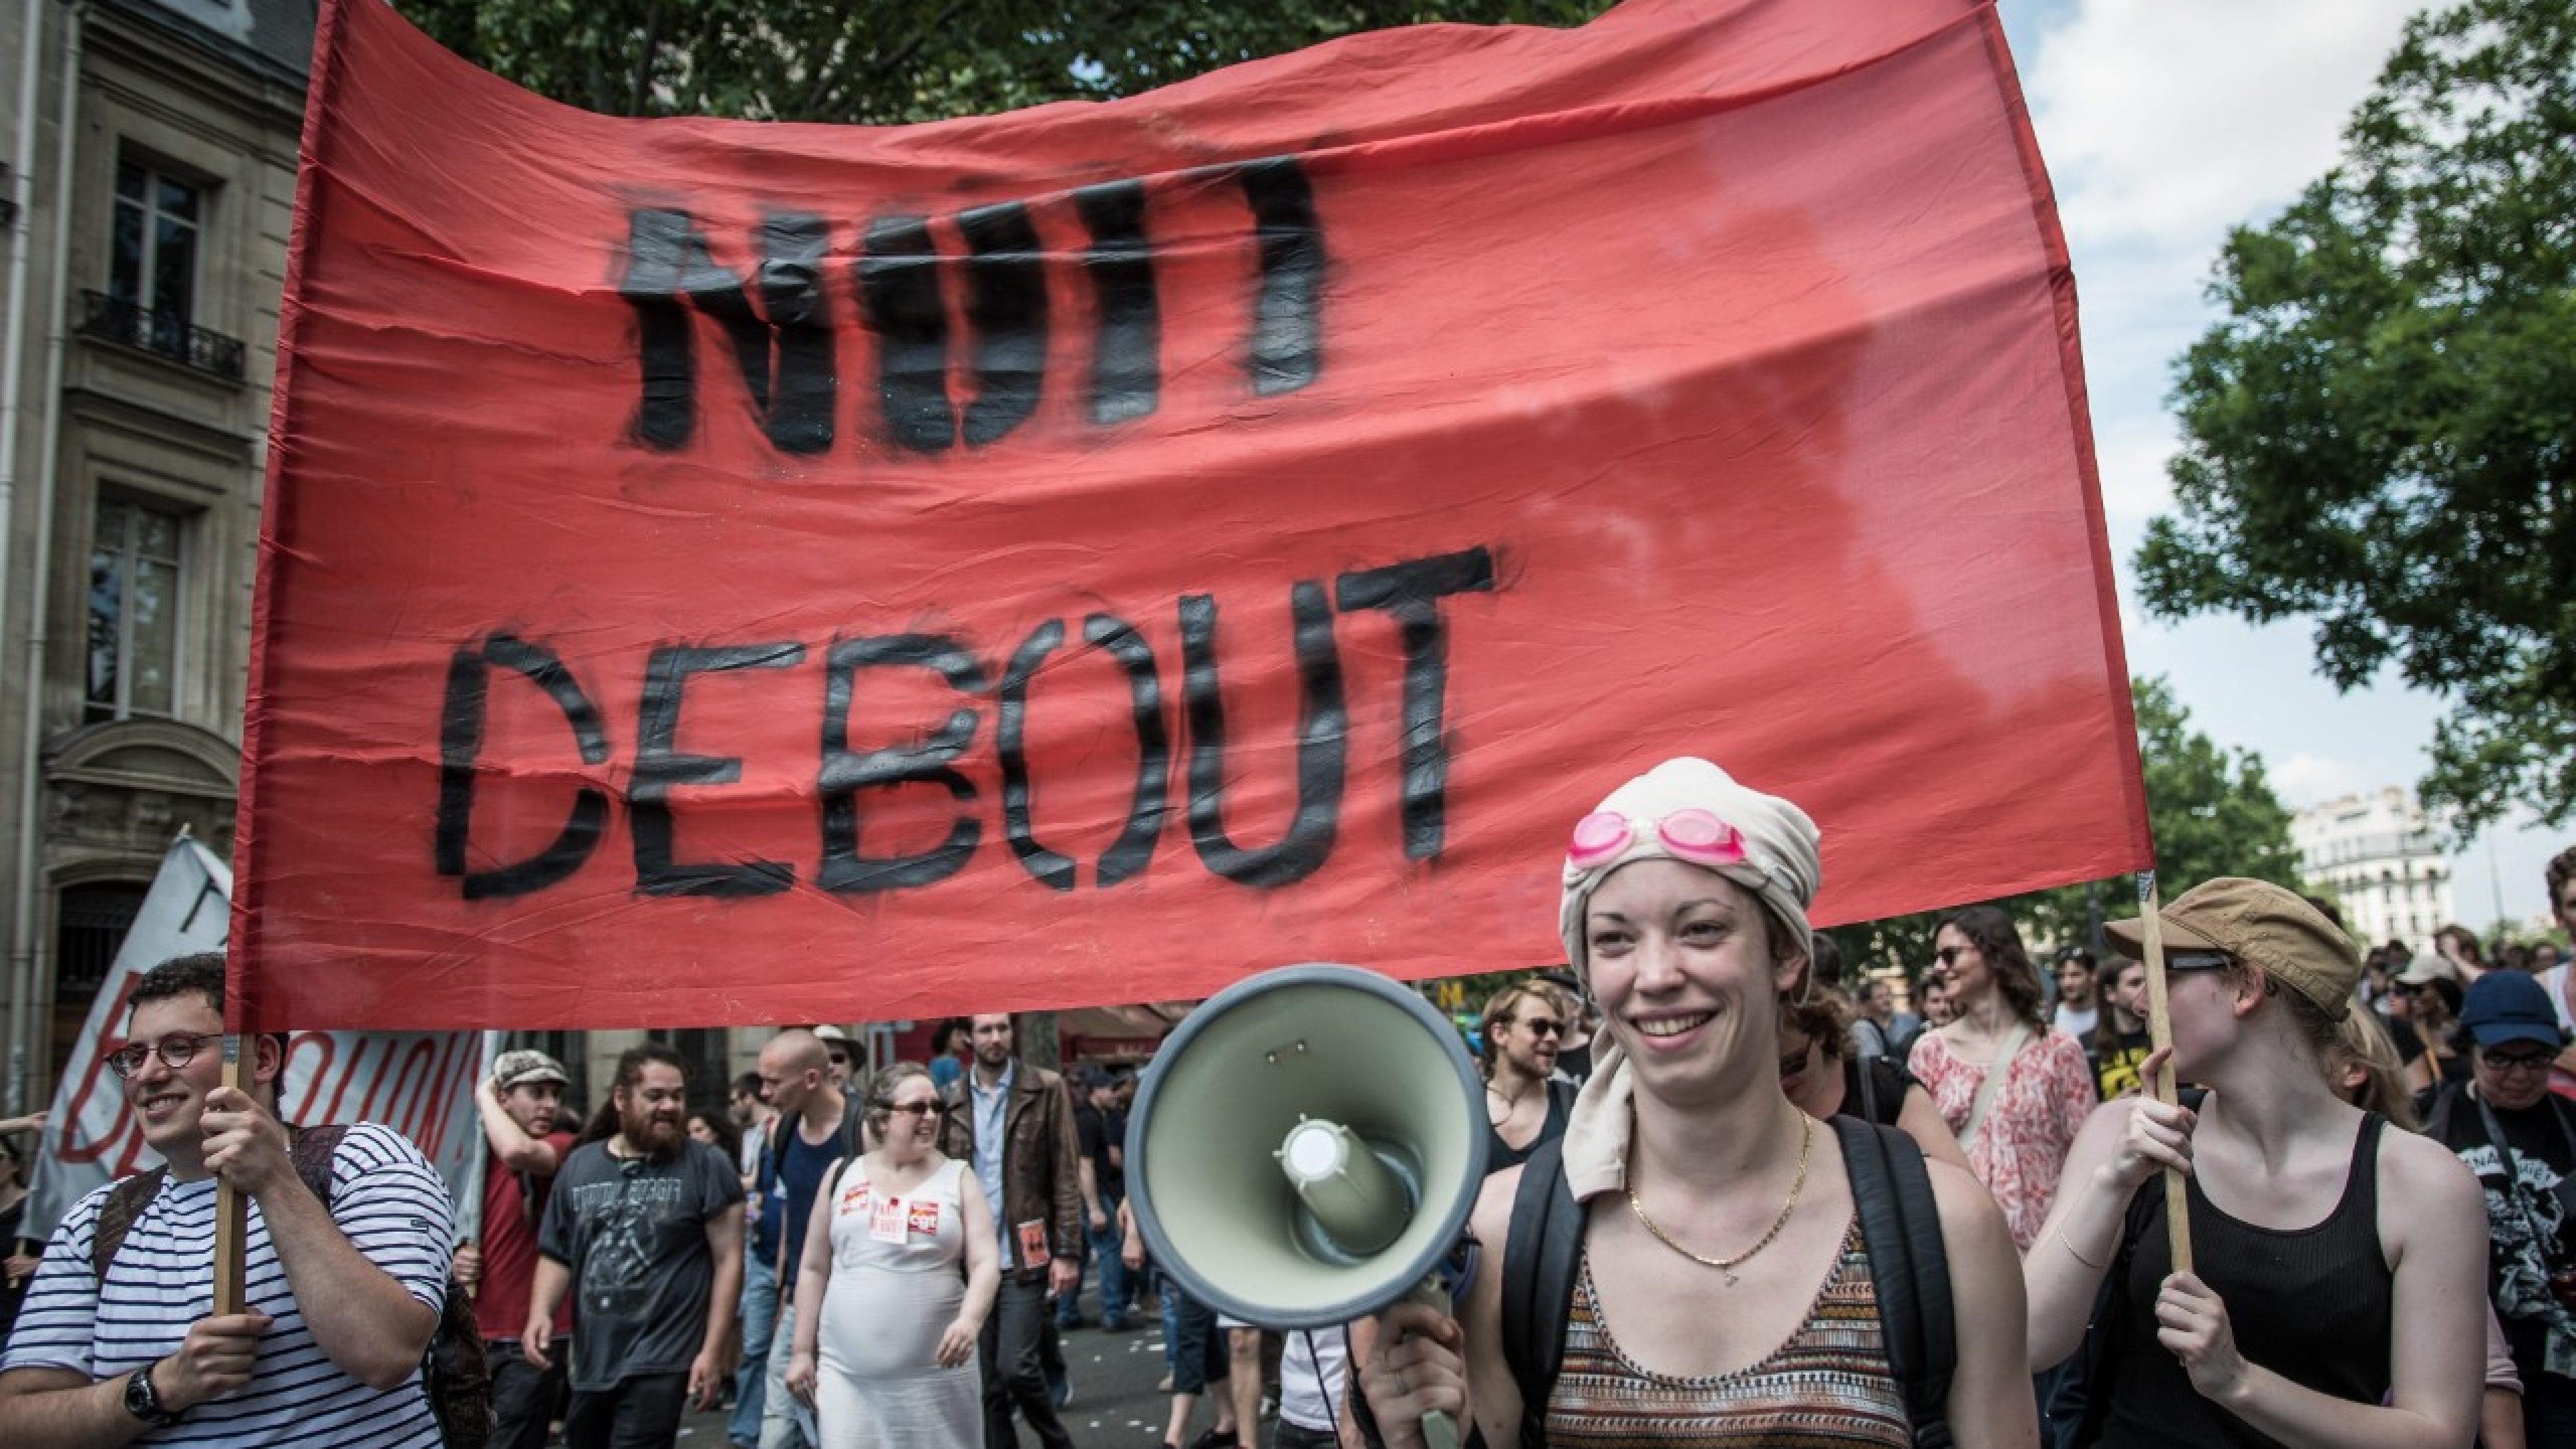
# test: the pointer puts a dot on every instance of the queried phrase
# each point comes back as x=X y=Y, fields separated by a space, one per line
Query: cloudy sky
x=2164 y=122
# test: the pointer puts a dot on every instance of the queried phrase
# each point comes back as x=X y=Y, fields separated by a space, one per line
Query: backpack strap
x=125 y=1201
x=1540 y=1254
x=1900 y=1225
x=310 y=1150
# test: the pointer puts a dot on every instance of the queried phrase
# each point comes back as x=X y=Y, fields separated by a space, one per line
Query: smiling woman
x=1723 y=1288
x=900 y=1270
x=2014 y=1089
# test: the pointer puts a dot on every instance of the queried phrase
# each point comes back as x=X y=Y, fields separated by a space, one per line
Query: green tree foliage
x=2213 y=813
x=894 y=61
x=2378 y=434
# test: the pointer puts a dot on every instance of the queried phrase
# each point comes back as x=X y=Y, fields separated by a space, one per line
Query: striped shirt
x=1828 y=1387
x=384 y=1195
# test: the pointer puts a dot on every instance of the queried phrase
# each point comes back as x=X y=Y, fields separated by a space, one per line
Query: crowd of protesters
x=2376 y=1151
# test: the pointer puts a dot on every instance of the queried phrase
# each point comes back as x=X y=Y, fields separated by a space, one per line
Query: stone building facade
x=151 y=152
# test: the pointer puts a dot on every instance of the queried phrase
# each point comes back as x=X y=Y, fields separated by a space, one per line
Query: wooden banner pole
x=2160 y=1036
x=232 y=1212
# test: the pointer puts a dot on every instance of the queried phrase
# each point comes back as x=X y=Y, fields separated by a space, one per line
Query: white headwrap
x=1778 y=841
x=1780 y=865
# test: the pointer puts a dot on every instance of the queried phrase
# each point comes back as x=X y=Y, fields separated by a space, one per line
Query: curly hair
x=199 y=972
x=1824 y=1015
x=1991 y=930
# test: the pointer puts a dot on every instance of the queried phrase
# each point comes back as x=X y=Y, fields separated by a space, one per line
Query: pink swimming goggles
x=1695 y=835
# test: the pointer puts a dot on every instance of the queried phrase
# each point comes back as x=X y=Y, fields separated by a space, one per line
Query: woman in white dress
x=884 y=1347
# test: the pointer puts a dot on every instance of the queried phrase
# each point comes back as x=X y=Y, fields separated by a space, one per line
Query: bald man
x=816 y=1124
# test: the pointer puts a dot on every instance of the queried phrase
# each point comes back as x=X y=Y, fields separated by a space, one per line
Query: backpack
x=1900 y=1226
x=453 y=1373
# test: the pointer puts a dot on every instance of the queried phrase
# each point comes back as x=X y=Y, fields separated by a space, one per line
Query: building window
x=154 y=266
x=710 y=1078
x=134 y=573
x=89 y=926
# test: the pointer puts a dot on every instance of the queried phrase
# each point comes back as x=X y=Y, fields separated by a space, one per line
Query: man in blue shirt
x=1013 y=1125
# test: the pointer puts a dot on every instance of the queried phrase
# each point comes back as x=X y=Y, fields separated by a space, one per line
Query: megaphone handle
x=1439 y=1431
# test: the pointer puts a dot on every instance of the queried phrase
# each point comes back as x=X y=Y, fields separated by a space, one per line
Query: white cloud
x=2306 y=779
x=2165 y=121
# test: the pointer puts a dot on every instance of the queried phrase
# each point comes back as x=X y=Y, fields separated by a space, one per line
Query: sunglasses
x=1949 y=955
x=175 y=1050
x=914 y=1109
x=2186 y=962
x=1542 y=1026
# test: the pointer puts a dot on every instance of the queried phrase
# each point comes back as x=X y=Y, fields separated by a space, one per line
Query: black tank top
x=2312 y=1305
x=1500 y=1154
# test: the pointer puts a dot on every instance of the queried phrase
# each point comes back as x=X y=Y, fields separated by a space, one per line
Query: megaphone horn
x=1306 y=1147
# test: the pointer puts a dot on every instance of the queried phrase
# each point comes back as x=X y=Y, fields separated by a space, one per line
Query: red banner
x=721 y=572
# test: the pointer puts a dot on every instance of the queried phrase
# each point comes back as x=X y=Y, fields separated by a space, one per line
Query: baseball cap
x=2260 y=923
x=2505 y=1006
x=2428 y=967
x=523 y=1066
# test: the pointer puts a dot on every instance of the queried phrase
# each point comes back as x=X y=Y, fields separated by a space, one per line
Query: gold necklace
x=1806 y=1140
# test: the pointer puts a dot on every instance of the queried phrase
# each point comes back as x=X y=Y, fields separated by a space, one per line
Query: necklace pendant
x=1730 y=1276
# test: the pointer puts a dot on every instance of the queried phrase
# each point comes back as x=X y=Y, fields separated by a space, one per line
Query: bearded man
x=647 y=1225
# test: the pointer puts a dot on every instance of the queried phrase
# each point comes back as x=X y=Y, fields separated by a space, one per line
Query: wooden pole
x=2160 y=1036
x=232 y=1213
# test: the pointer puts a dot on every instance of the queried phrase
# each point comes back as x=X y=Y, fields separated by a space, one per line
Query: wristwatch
x=144 y=1402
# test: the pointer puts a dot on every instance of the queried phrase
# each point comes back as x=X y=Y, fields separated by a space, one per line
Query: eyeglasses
x=1543 y=1026
x=2517 y=1062
x=1694 y=835
x=175 y=1050
x=914 y=1109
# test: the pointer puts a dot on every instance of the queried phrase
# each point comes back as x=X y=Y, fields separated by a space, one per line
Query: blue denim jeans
x=759 y=1317
x=1115 y=1295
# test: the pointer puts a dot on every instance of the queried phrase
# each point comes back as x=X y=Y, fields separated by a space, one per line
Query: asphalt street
x=1115 y=1404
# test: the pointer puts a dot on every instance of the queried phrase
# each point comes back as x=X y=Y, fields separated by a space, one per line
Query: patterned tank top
x=1828 y=1387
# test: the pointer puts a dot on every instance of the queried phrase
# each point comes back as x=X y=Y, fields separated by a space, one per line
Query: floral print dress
x=2020 y=1149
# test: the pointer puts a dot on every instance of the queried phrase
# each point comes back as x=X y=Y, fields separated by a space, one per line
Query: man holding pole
x=118 y=1344
x=524 y=1149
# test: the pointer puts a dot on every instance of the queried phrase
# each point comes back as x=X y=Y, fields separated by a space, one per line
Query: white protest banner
x=418 y=1083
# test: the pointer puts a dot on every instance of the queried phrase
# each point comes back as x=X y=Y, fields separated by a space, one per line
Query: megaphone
x=1306 y=1147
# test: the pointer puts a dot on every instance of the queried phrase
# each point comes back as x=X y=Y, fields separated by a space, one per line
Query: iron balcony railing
x=163 y=333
